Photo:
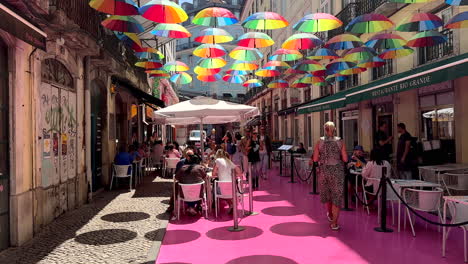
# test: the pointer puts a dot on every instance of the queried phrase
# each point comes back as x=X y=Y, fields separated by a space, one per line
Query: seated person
x=357 y=159
x=143 y=150
x=191 y=173
x=172 y=153
x=188 y=153
x=134 y=153
x=123 y=158
x=300 y=149
x=373 y=169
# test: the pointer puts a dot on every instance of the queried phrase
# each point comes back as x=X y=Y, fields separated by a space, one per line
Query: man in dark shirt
x=383 y=141
x=404 y=155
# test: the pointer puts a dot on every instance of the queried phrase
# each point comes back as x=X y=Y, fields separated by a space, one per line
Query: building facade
x=424 y=90
x=67 y=91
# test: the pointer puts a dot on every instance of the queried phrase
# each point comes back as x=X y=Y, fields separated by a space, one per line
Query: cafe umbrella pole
x=314 y=180
x=251 y=211
x=292 y=168
x=383 y=204
x=235 y=227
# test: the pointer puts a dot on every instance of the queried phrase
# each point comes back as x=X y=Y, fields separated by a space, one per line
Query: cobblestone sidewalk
x=117 y=227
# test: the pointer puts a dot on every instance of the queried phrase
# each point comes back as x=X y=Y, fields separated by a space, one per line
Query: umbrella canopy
x=265 y=21
x=149 y=53
x=148 y=64
x=457 y=2
x=252 y=83
x=458 y=21
x=203 y=71
x=244 y=66
x=339 y=65
x=369 y=23
x=236 y=72
x=234 y=78
x=209 y=51
x=181 y=78
x=129 y=39
x=323 y=54
x=123 y=24
x=160 y=75
x=214 y=17
x=420 y=22
x=246 y=54
x=171 y=31
x=309 y=66
x=278 y=84
x=292 y=71
x=427 y=39
x=267 y=73
x=351 y=71
x=360 y=54
x=386 y=41
x=214 y=36
x=158 y=71
x=318 y=22
x=302 y=41
x=276 y=65
x=286 y=55
x=343 y=42
x=255 y=40
x=163 y=11
x=299 y=84
x=371 y=63
x=396 y=53
x=336 y=78
x=209 y=78
x=212 y=63
x=115 y=7
x=176 y=66
x=311 y=79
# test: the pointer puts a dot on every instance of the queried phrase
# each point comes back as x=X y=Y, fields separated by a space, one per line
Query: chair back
x=423 y=200
x=375 y=184
x=225 y=188
x=171 y=163
x=459 y=212
x=191 y=191
x=457 y=180
x=122 y=171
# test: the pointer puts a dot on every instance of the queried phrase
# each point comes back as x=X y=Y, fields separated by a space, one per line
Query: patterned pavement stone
x=117 y=227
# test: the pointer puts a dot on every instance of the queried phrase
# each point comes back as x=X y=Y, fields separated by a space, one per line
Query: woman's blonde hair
x=221 y=154
x=329 y=125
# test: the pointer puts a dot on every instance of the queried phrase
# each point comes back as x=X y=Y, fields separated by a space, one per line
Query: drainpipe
x=87 y=125
x=33 y=127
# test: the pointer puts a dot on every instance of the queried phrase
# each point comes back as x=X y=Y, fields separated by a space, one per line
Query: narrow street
x=117 y=227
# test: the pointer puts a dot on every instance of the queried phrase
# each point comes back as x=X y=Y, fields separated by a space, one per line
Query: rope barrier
x=420 y=216
x=299 y=175
x=370 y=202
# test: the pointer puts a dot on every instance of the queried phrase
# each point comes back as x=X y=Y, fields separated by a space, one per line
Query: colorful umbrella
x=302 y=41
x=420 y=22
x=244 y=66
x=209 y=51
x=267 y=73
x=171 y=31
x=318 y=22
x=264 y=21
x=396 y=53
x=234 y=78
x=176 y=66
x=214 y=36
x=351 y=71
x=149 y=54
x=336 y=78
x=209 y=78
x=323 y=54
x=203 y=71
x=278 y=84
x=158 y=71
x=371 y=63
x=252 y=83
x=276 y=65
x=236 y=72
x=309 y=66
x=427 y=39
x=386 y=41
x=255 y=40
x=214 y=17
x=163 y=11
x=181 y=78
x=343 y=42
x=311 y=79
x=457 y=2
x=246 y=54
x=339 y=65
x=148 y=64
x=458 y=21
x=160 y=75
x=360 y=54
x=129 y=39
x=115 y=7
x=369 y=23
x=286 y=55
x=292 y=71
x=123 y=24
x=299 y=84
x=212 y=63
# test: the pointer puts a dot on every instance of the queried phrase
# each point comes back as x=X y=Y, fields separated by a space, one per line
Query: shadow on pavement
x=262 y=259
x=105 y=237
x=282 y=211
x=222 y=233
x=125 y=217
x=174 y=237
x=156 y=235
x=299 y=229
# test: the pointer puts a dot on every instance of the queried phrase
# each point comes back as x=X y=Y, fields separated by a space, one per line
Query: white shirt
x=372 y=170
x=224 y=169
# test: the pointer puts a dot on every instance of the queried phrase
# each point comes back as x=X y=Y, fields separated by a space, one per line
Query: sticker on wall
x=47 y=146
x=64 y=144
x=56 y=145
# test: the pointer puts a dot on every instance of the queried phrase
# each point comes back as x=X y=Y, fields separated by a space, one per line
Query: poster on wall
x=46 y=147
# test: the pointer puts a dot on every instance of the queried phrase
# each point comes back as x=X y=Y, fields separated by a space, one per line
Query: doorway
x=349 y=129
x=383 y=114
x=98 y=114
x=4 y=151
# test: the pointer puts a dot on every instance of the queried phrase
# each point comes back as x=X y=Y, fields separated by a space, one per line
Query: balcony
x=384 y=7
x=429 y=54
x=345 y=15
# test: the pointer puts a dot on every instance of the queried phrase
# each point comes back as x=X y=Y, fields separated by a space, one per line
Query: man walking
x=383 y=141
x=405 y=157
x=245 y=148
x=265 y=152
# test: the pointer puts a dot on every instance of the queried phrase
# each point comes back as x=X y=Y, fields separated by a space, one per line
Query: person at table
x=189 y=152
x=157 y=153
x=384 y=141
x=330 y=153
x=265 y=152
x=301 y=149
x=143 y=150
x=405 y=157
x=357 y=160
x=123 y=157
x=373 y=169
x=253 y=156
x=245 y=148
x=210 y=150
x=132 y=149
x=172 y=153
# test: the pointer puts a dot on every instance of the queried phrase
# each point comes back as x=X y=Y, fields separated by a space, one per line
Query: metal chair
x=170 y=164
x=191 y=193
x=455 y=183
x=223 y=190
x=422 y=200
x=459 y=214
x=121 y=171
x=391 y=197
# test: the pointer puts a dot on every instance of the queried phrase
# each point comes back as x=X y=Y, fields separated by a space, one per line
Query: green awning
x=441 y=71
x=334 y=101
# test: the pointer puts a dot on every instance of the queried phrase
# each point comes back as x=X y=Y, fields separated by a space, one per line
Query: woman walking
x=330 y=153
x=254 y=159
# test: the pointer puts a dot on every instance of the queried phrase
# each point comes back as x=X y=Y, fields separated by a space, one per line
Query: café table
x=439 y=169
x=401 y=184
x=451 y=199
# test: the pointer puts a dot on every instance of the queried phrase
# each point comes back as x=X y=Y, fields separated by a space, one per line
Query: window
x=350 y=82
x=382 y=71
x=349 y=129
x=296 y=132
x=325 y=90
x=307 y=94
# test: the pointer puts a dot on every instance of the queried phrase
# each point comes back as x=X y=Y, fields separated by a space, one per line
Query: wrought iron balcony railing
x=429 y=54
x=346 y=15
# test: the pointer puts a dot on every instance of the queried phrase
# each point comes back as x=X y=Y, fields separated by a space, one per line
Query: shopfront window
x=349 y=129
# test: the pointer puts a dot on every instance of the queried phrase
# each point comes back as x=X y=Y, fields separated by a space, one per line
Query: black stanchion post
x=292 y=168
x=383 y=204
x=345 y=192
x=314 y=180
x=281 y=162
